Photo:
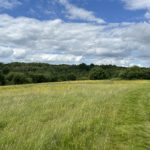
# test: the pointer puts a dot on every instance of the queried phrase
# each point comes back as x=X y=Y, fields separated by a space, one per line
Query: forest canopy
x=22 y=73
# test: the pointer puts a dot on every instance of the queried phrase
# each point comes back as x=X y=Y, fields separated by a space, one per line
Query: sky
x=75 y=31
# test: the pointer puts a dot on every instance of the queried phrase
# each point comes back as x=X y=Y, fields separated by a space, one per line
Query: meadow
x=78 y=115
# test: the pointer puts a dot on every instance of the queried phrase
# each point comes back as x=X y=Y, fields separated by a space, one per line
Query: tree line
x=22 y=73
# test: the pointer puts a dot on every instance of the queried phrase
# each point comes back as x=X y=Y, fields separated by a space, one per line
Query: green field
x=80 y=115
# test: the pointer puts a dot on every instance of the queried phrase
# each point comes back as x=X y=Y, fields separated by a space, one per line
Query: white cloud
x=67 y=58
x=75 y=12
x=19 y=53
x=147 y=14
x=137 y=5
x=9 y=4
x=5 y=51
x=54 y=41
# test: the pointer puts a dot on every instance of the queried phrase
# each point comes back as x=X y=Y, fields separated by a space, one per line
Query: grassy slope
x=100 y=115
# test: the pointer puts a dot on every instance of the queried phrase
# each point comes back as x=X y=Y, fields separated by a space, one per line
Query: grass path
x=84 y=115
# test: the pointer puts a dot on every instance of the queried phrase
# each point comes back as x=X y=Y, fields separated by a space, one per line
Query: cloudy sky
x=75 y=31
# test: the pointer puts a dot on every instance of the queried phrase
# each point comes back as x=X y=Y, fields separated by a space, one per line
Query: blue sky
x=109 y=10
x=75 y=31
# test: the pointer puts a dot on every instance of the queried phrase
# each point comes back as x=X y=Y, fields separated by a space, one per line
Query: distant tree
x=146 y=74
x=20 y=78
x=18 y=73
x=17 y=78
x=92 y=66
x=83 y=67
x=2 y=79
x=1 y=64
x=53 y=78
x=39 y=78
x=123 y=74
x=62 y=77
x=98 y=73
x=71 y=77
x=6 y=70
x=134 y=73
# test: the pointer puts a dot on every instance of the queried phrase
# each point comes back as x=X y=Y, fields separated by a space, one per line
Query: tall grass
x=80 y=115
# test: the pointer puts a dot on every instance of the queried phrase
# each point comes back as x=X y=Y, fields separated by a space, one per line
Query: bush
x=98 y=73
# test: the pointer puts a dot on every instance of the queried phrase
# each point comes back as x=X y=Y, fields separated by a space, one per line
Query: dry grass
x=80 y=115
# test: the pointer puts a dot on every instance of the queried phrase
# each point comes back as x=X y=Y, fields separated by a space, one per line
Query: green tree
x=98 y=73
x=83 y=67
x=39 y=78
x=2 y=79
x=71 y=77
x=6 y=70
x=17 y=78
